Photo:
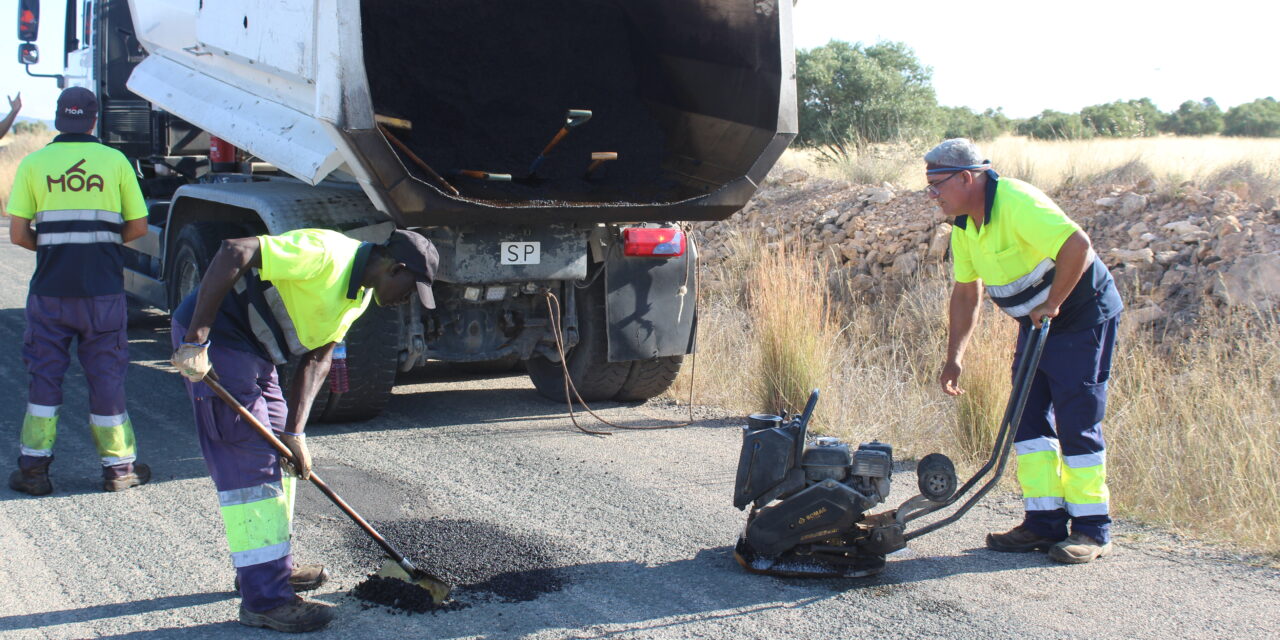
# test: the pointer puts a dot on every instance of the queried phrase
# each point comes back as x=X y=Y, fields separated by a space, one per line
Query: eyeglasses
x=932 y=189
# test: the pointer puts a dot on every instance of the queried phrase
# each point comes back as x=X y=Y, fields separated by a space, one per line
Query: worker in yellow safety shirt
x=262 y=301
x=85 y=202
x=1036 y=263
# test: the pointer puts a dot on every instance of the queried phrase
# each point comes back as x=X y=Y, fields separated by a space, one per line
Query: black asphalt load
x=481 y=560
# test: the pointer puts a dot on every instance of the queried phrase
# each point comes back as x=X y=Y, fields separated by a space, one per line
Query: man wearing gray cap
x=263 y=300
x=1036 y=263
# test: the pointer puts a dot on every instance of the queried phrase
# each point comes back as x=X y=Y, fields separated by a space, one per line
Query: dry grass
x=17 y=148
x=1249 y=166
x=1193 y=430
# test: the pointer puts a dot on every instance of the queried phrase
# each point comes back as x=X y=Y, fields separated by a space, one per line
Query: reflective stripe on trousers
x=258 y=521
x=1059 y=442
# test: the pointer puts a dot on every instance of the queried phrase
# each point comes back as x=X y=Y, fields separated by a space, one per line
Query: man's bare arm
x=21 y=233
x=229 y=264
x=134 y=229
x=1071 y=263
x=311 y=373
x=963 y=315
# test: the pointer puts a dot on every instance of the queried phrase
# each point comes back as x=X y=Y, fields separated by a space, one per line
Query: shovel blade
x=438 y=589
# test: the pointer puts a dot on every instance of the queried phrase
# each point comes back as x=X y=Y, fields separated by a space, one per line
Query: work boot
x=33 y=480
x=295 y=617
x=305 y=577
x=140 y=475
x=1079 y=549
x=1019 y=539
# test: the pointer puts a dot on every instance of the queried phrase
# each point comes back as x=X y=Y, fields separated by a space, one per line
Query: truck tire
x=373 y=348
x=192 y=252
x=649 y=378
x=592 y=374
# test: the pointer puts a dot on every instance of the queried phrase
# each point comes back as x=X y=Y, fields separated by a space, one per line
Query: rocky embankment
x=1176 y=253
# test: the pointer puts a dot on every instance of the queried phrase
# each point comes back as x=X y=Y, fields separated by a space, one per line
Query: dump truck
x=551 y=150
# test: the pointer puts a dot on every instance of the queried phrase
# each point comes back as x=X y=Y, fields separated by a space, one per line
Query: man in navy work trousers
x=85 y=201
x=263 y=300
x=1036 y=263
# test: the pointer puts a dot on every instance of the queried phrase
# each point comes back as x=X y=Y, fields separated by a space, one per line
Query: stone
x=861 y=282
x=1166 y=257
x=1132 y=203
x=878 y=195
x=1138 y=256
x=1252 y=281
x=1137 y=230
x=903 y=266
x=795 y=176
x=1145 y=315
x=1186 y=231
x=1107 y=203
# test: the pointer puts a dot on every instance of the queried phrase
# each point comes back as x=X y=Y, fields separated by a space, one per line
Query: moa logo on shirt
x=75 y=179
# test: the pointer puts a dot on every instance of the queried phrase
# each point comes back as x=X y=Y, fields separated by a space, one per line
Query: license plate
x=521 y=253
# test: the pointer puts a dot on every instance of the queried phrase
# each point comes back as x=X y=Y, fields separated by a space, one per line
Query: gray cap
x=958 y=153
x=420 y=256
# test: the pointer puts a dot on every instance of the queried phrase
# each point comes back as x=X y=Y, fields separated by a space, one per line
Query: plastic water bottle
x=338 y=380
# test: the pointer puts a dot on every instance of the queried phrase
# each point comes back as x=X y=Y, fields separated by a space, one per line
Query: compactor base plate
x=794 y=565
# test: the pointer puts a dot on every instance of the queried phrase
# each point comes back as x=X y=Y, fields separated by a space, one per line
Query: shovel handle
x=212 y=380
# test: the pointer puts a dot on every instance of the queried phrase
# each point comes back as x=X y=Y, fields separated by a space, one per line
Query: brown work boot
x=1019 y=539
x=1079 y=549
x=140 y=475
x=305 y=577
x=296 y=617
x=34 y=481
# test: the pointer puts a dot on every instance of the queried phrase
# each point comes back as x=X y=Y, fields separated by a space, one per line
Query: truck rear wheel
x=592 y=374
x=649 y=378
x=373 y=346
x=193 y=250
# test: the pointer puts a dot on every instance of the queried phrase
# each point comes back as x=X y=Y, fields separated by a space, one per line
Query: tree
x=1123 y=119
x=1259 y=119
x=1195 y=119
x=851 y=95
x=963 y=122
x=1055 y=125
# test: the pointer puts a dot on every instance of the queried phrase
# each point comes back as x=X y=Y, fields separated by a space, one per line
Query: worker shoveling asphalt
x=320 y=282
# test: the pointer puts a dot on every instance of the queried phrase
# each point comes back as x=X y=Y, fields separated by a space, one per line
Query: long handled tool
x=398 y=567
x=573 y=118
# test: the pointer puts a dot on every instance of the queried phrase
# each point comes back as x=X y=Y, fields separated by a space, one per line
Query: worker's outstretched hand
x=192 y=361
x=15 y=103
x=950 y=379
x=297 y=444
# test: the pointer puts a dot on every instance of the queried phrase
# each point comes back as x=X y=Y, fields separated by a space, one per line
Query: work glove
x=192 y=361
x=297 y=444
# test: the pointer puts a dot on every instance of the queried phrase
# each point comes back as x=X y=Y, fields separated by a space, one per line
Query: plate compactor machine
x=809 y=498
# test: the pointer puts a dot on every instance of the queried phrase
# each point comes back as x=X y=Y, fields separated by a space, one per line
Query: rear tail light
x=658 y=242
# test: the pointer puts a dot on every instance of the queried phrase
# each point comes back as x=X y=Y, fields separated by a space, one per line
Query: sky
x=1023 y=56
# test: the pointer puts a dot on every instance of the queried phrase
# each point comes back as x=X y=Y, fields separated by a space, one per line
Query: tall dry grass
x=1248 y=166
x=1193 y=427
x=16 y=147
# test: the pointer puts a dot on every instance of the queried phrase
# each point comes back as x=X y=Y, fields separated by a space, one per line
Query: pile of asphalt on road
x=481 y=560
x=486 y=85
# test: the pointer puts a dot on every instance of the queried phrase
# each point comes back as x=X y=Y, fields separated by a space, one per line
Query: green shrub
x=1193 y=118
x=1257 y=119
x=1055 y=125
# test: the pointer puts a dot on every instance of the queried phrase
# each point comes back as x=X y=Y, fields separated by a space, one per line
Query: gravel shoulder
x=548 y=532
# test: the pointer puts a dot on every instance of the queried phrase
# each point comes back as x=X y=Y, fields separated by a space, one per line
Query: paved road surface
x=552 y=534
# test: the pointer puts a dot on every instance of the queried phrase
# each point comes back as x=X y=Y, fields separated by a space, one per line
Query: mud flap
x=647 y=315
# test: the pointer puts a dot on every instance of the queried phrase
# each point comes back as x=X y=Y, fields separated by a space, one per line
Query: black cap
x=77 y=109
x=417 y=253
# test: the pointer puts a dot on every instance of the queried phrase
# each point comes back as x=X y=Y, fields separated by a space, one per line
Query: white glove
x=297 y=444
x=192 y=361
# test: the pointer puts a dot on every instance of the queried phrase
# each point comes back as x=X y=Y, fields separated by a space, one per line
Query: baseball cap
x=77 y=107
x=420 y=256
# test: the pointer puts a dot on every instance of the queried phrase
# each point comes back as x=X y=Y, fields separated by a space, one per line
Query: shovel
x=398 y=566
x=573 y=118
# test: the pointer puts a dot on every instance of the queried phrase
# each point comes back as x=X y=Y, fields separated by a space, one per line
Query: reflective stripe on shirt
x=78 y=237
x=79 y=215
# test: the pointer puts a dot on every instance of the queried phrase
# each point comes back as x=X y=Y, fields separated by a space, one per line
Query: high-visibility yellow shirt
x=1023 y=227
x=79 y=193
x=313 y=270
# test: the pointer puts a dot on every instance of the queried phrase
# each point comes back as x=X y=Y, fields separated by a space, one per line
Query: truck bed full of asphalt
x=546 y=532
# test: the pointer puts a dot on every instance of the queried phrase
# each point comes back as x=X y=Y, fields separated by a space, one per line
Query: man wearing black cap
x=85 y=201
x=263 y=300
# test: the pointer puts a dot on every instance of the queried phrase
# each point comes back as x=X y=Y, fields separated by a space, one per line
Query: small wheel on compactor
x=936 y=476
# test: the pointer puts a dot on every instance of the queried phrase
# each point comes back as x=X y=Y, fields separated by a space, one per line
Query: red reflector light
x=658 y=242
